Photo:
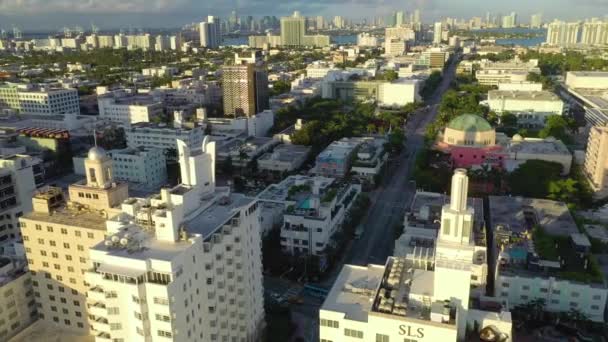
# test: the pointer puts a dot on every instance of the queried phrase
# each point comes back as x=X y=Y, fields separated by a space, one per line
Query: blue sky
x=54 y=14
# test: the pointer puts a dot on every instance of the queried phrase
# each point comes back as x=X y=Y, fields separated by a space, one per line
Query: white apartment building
x=524 y=273
x=319 y=69
x=520 y=86
x=395 y=47
x=314 y=210
x=404 y=300
x=17 y=186
x=284 y=158
x=370 y=159
x=163 y=71
x=162 y=136
x=142 y=166
x=184 y=265
x=587 y=79
x=520 y=150
x=595 y=32
x=16 y=293
x=128 y=109
x=531 y=107
x=495 y=77
x=399 y=93
x=561 y=33
x=210 y=33
x=39 y=100
x=596 y=159
x=365 y=39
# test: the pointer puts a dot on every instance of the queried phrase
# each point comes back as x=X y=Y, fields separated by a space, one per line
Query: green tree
x=532 y=178
x=280 y=87
x=556 y=126
x=396 y=140
x=508 y=120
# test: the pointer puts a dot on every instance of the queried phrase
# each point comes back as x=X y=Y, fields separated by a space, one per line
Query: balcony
x=100 y=324
x=103 y=337
x=96 y=294
x=98 y=309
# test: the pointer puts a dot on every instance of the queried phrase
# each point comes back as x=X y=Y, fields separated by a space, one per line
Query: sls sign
x=409 y=331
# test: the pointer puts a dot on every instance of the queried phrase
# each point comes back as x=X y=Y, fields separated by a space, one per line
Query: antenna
x=95 y=136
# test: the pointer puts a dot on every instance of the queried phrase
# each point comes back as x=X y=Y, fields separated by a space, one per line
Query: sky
x=32 y=15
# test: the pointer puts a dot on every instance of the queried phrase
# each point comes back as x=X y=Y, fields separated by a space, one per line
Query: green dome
x=470 y=123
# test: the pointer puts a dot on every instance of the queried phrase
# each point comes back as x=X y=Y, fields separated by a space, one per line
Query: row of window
x=573 y=294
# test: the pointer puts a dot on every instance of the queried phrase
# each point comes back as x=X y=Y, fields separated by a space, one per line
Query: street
x=388 y=204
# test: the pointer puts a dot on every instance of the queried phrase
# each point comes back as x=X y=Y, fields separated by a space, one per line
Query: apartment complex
x=314 y=208
x=596 y=159
x=57 y=236
x=128 y=109
x=561 y=33
x=162 y=136
x=245 y=86
x=293 y=33
x=531 y=107
x=17 y=186
x=39 y=100
x=16 y=292
x=184 y=265
x=587 y=90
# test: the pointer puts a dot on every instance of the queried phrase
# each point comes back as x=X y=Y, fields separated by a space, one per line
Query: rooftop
x=518 y=215
x=523 y=95
x=71 y=217
x=538 y=146
x=590 y=73
x=286 y=153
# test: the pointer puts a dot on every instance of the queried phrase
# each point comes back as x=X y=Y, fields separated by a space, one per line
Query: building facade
x=37 y=100
x=17 y=186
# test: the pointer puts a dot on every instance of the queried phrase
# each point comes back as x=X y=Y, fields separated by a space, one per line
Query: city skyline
x=27 y=14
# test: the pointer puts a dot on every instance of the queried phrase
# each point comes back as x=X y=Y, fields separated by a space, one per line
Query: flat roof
x=518 y=214
x=70 y=218
x=357 y=304
x=286 y=153
x=211 y=219
x=523 y=95
x=539 y=146
x=589 y=73
x=43 y=331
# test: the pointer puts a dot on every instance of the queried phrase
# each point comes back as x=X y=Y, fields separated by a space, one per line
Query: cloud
x=32 y=7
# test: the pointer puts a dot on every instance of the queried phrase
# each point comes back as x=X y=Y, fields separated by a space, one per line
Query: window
x=161 y=301
x=113 y=311
x=597 y=297
x=115 y=326
x=556 y=292
x=353 y=333
x=525 y=287
x=329 y=323
x=64 y=231
x=505 y=284
x=77 y=233
x=544 y=290
x=163 y=318
x=575 y=294
x=574 y=304
x=163 y=333
x=381 y=338
x=49 y=229
x=595 y=307
x=90 y=236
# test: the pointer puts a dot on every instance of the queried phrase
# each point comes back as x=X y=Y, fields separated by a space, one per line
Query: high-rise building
x=399 y=18
x=417 y=18
x=320 y=22
x=595 y=32
x=596 y=159
x=561 y=33
x=437 y=32
x=182 y=266
x=18 y=182
x=57 y=236
x=39 y=100
x=245 y=86
x=293 y=30
x=509 y=21
x=536 y=21
x=210 y=33
x=339 y=22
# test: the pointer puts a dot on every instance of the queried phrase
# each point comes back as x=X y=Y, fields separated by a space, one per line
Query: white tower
x=457 y=217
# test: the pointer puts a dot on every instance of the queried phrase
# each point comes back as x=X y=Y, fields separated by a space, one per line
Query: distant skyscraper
x=437 y=32
x=210 y=33
x=233 y=21
x=320 y=22
x=595 y=32
x=293 y=30
x=560 y=33
x=417 y=18
x=509 y=21
x=339 y=22
x=536 y=21
x=399 y=18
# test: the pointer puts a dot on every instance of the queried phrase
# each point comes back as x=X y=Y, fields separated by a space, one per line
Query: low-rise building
x=314 y=208
x=587 y=79
x=587 y=90
x=284 y=158
x=494 y=73
x=531 y=107
x=39 y=99
x=129 y=109
x=370 y=159
x=520 y=86
x=163 y=71
x=142 y=166
x=242 y=151
x=541 y=255
x=336 y=159
x=162 y=136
